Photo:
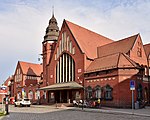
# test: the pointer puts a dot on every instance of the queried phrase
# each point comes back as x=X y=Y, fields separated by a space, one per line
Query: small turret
x=52 y=31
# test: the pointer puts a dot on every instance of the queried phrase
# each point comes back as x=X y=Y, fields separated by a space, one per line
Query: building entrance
x=63 y=96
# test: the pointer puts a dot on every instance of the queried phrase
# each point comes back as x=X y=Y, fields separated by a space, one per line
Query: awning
x=63 y=86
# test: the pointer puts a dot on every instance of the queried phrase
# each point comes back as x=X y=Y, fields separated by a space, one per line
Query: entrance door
x=64 y=96
x=57 y=96
x=61 y=96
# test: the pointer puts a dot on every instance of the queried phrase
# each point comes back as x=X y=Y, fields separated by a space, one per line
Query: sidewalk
x=139 y=112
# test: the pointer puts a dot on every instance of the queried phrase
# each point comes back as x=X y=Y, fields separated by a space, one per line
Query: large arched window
x=65 y=69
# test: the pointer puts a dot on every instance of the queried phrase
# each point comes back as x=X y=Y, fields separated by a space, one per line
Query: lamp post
x=83 y=93
x=38 y=93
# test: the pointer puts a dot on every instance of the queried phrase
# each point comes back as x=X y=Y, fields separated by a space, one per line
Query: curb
x=108 y=112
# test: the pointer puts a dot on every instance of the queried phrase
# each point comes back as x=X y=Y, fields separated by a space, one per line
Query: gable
x=126 y=62
x=31 y=68
x=87 y=40
x=66 y=43
x=138 y=53
x=18 y=69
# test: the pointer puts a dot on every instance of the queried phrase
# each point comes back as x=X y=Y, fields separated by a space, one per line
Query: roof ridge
x=146 y=44
x=28 y=62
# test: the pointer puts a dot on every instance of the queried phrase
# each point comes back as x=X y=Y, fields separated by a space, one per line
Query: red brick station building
x=81 y=64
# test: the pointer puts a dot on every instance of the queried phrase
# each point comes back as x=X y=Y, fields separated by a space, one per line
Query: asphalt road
x=47 y=113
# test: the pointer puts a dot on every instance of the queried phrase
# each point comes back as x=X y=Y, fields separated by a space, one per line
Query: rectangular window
x=68 y=43
x=65 y=41
x=70 y=47
x=73 y=50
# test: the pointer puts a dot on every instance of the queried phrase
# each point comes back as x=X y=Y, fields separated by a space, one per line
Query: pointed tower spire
x=52 y=31
x=52 y=11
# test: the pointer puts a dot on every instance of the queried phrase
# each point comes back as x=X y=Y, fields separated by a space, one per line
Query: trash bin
x=137 y=105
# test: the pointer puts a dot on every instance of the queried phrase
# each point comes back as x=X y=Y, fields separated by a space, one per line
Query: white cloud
x=23 y=24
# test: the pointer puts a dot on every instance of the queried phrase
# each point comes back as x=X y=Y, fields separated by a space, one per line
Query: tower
x=49 y=43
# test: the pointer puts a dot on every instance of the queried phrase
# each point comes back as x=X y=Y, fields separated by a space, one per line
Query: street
x=53 y=113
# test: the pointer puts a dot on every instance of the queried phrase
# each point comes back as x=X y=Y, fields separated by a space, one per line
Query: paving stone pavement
x=138 y=112
x=40 y=112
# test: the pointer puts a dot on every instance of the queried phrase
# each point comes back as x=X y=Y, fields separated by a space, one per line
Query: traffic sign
x=132 y=85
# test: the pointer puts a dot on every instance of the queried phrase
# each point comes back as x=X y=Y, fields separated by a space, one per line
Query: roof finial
x=52 y=11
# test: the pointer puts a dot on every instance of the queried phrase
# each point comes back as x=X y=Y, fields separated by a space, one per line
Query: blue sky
x=23 y=24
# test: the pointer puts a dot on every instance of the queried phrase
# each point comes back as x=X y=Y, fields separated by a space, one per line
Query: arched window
x=37 y=94
x=30 y=95
x=19 y=95
x=65 y=69
x=98 y=91
x=108 y=92
x=89 y=92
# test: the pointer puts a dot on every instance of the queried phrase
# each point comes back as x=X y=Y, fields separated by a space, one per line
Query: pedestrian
x=99 y=103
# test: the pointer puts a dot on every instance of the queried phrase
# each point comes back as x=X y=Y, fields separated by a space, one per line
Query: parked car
x=23 y=102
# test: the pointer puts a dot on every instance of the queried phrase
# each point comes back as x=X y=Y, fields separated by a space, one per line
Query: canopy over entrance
x=63 y=86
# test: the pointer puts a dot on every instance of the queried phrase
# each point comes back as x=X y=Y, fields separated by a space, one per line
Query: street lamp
x=83 y=93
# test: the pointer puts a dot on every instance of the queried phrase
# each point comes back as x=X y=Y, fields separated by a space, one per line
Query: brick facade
x=76 y=55
x=131 y=65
